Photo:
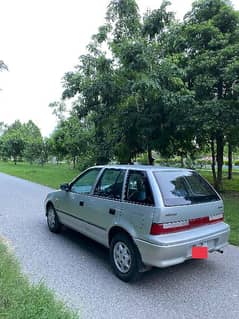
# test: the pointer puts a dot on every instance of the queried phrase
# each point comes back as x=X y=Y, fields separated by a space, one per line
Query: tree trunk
x=182 y=162
x=74 y=162
x=220 y=147
x=213 y=162
x=229 y=161
x=150 y=157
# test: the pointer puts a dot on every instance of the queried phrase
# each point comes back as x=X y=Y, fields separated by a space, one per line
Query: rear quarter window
x=138 y=188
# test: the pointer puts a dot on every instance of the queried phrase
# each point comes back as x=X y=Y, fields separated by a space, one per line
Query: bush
x=142 y=159
x=168 y=162
x=203 y=162
x=84 y=163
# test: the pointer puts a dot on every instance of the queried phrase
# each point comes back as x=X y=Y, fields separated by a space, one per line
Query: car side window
x=85 y=183
x=138 y=189
x=110 y=184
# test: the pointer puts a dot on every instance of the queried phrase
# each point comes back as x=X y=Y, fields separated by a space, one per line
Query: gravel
x=78 y=270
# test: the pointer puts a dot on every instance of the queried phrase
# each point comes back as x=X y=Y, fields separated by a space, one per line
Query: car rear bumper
x=167 y=250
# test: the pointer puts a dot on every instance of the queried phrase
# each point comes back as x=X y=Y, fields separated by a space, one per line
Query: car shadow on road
x=190 y=270
x=90 y=247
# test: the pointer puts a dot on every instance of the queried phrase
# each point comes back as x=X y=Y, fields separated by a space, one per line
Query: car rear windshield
x=184 y=188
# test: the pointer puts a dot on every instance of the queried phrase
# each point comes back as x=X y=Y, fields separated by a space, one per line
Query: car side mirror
x=65 y=187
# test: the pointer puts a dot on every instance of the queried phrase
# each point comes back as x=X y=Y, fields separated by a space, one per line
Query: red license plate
x=199 y=252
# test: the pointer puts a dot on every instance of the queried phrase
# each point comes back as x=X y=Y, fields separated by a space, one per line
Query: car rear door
x=138 y=204
x=188 y=200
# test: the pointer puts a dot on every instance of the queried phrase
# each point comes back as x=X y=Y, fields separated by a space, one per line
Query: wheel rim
x=122 y=257
x=51 y=218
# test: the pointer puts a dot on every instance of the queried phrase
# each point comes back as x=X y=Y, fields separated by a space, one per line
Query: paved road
x=78 y=268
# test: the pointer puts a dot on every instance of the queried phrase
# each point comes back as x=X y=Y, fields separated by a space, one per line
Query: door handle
x=112 y=211
x=81 y=203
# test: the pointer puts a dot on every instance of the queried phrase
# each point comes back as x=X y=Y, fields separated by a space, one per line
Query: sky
x=40 y=40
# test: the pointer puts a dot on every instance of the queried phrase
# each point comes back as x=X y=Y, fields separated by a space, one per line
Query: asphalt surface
x=78 y=270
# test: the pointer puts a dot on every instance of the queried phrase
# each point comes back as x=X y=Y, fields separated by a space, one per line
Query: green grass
x=231 y=203
x=21 y=300
x=50 y=175
x=228 y=185
x=230 y=196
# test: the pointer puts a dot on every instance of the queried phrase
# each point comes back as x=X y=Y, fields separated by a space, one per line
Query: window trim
x=99 y=178
x=145 y=173
x=81 y=175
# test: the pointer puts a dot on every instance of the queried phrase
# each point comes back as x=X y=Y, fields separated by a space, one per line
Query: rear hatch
x=188 y=201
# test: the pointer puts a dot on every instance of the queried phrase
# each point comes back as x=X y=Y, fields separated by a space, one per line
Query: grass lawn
x=231 y=203
x=21 y=300
x=53 y=175
x=228 y=185
x=50 y=175
x=230 y=196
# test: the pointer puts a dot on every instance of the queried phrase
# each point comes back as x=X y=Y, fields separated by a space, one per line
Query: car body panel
x=167 y=250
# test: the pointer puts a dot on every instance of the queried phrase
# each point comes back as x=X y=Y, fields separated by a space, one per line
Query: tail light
x=166 y=228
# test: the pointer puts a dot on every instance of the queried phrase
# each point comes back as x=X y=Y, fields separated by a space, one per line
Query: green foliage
x=20 y=141
x=133 y=97
x=72 y=138
x=33 y=142
x=211 y=47
x=157 y=20
x=142 y=159
x=123 y=18
x=203 y=162
x=12 y=142
x=174 y=162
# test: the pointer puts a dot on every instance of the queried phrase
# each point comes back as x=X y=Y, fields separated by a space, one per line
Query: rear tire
x=53 y=222
x=124 y=258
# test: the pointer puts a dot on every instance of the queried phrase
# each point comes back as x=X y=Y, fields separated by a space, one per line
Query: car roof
x=143 y=167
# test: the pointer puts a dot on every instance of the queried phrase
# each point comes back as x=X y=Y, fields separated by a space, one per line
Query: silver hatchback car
x=146 y=215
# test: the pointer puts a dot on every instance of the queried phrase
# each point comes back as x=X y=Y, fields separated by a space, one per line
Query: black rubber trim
x=61 y=211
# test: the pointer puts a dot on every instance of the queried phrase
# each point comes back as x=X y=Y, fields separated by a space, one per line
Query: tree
x=95 y=80
x=72 y=138
x=33 y=142
x=162 y=85
x=211 y=47
x=131 y=95
x=13 y=142
x=21 y=141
